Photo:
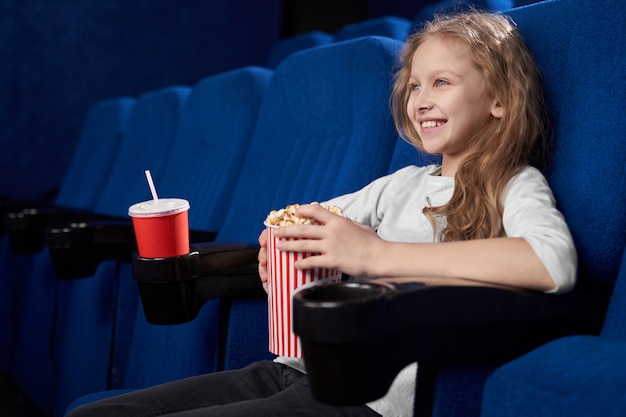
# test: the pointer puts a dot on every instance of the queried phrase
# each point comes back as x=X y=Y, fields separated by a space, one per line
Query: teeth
x=431 y=123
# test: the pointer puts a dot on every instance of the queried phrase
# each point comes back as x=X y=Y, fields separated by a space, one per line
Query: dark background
x=59 y=56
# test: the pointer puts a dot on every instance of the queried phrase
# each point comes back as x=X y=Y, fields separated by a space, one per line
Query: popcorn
x=287 y=216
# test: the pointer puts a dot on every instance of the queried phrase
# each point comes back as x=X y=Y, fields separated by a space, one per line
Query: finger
x=315 y=211
x=316 y=261
x=300 y=245
x=299 y=232
x=263 y=238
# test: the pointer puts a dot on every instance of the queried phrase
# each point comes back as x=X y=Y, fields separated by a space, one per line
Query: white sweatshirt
x=393 y=206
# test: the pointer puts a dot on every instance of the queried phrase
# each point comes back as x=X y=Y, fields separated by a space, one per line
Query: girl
x=469 y=90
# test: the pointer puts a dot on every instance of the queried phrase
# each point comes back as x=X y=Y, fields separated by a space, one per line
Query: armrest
x=27 y=226
x=78 y=248
x=174 y=289
x=377 y=329
x=8 y=204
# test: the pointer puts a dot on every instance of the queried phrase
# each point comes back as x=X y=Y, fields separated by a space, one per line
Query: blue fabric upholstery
x=571 y=376
x=100 y=138
x=587 y=164
x=406 y=154
x=101 y=134
x=38 y=294
x=285 y=47
x=580 y=375
x=217 y=128
x=393 y=27
x=217 y=120
x=321 y=133
x=152 y=137
x=304 y=131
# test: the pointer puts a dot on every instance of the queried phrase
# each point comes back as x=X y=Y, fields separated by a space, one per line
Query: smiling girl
x=468 y=90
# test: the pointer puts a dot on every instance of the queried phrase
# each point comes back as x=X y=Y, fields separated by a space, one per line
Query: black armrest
x=78 y=248
x=8 y=205
x=174 y=289
x=27 y=226
x=377 y=329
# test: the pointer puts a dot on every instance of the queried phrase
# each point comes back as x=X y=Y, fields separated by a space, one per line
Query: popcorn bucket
x=284 y=280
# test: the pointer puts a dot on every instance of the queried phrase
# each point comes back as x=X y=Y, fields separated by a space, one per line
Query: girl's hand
x=263 y=258
x=341 y=243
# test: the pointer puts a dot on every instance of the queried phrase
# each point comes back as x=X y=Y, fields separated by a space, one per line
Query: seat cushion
x=573 y=376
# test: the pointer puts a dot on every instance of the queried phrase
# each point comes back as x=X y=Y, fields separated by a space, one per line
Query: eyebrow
x=437 y=74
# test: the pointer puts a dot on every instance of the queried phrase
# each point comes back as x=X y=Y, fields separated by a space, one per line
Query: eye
x=441 y=83
x=415 y=87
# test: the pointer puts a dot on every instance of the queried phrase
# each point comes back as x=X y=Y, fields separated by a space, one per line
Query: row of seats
x=69 y=338
x=241 y=143
x=389 y=26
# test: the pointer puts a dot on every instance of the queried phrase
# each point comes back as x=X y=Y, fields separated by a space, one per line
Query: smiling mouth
x=431 y=124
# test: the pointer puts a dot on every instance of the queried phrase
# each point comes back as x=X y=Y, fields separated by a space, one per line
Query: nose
x=422 y=101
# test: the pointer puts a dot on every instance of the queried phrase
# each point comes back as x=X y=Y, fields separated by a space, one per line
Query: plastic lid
x=158 y=208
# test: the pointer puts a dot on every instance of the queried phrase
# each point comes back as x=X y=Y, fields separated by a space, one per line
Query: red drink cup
x=283 y=281
x=161 y=227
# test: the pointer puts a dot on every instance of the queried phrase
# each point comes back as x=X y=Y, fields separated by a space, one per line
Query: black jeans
x=261 y=389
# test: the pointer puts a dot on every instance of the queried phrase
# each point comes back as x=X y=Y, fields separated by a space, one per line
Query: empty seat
x=212 y=138
x=149 y=135
x=99 y=141
x=393 y=27
x=333 y=137
x=318 y=135
x=287 y=46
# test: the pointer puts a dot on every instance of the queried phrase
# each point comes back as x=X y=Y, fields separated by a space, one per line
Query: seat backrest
x=393 y=27
x=149 y=136
x=287 y=46
x=78 y=320
x=615 y=322
x=582 y=64
x=101 y=135
x=102 y=130
x=324 y=129
x=406 y=154
x=213 y=138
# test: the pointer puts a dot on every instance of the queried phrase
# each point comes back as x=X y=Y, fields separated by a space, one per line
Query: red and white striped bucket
x=284 y=280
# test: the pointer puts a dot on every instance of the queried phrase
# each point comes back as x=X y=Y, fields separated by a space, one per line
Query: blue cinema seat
x=338 y=137
x=99 y=327
x=392 y=27
x=146 y=139
x=287 y=46
x=100 y=137
x=584 y=82
x=581 y=376
x=301 y=151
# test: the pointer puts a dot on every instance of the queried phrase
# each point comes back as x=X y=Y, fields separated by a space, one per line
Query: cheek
x=410 y=110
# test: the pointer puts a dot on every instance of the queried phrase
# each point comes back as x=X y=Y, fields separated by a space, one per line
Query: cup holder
x=347 y=310
x=332 y=295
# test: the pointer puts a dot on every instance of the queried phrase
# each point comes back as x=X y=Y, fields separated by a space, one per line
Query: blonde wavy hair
x=504 y=146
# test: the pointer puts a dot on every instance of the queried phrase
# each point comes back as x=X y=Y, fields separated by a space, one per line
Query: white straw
x=155 y=197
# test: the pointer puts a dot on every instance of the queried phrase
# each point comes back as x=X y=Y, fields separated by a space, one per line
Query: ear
x=497 y=110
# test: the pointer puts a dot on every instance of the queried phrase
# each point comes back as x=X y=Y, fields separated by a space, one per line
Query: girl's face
x=448 y=101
